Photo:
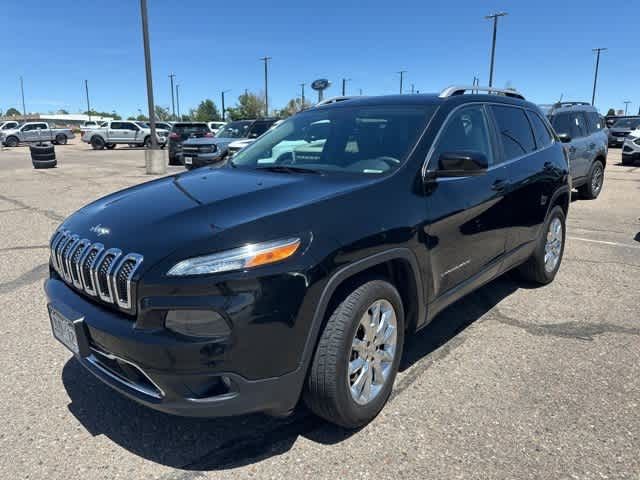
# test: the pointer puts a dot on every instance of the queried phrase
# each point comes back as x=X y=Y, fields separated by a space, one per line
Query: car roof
x=568 y=107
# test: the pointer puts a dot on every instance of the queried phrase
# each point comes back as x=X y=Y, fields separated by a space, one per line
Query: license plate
x=64 y=330
x=188 y=160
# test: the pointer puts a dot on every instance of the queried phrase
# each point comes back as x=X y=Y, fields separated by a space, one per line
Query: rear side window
x=116 y=125
x=514 y=131
x=540 y=130
x=258 y=128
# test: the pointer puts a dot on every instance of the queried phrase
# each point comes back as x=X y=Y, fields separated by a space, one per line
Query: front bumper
x=167 y=372
x=203 y=159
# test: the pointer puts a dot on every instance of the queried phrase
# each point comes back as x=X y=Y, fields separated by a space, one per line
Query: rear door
x=468 y=228
x=568 y=123
x=115 y=132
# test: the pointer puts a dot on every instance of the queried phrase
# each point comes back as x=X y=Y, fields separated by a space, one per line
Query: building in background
x=62 y=120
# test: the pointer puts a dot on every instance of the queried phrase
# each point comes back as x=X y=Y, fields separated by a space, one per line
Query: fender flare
x=347 y=272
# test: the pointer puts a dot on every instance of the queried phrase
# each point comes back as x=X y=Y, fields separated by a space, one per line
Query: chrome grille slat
x=103 y=273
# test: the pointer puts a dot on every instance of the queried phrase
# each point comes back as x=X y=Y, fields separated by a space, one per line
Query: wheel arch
x=399 y=265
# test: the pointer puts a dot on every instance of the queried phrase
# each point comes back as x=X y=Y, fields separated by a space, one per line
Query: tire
x=595 y=181
x=41 y=149
x=61 y=139
x=173 y=160
x=11 y=141
x=97 y=143
x=110 y=146
x=627 y=161
x=328 y=389
x=43 y=157
x=147 y=142
x=44 y=164
x=534 y=269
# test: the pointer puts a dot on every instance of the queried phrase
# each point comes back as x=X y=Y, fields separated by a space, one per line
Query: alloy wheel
x=373 y=351
x=553 y=245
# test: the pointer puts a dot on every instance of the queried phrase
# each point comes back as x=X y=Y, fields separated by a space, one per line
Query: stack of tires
x=43 y=156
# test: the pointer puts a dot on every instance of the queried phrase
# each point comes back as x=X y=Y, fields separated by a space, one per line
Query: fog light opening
x=197 y=323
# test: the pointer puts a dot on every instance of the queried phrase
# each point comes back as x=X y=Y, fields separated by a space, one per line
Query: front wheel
x=357 y=357
x=11 y=142
x=61 y=139
x=147 y=142
x=544 y=263
x=97 y=143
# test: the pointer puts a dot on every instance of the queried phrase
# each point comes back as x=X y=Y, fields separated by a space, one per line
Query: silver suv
x=583 y=130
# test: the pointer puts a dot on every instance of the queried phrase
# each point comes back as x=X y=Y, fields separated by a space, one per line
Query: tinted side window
x=116 y=125
x=595 y=121
x=258 y=128
x=514 y=130
x=466 y=130
x=540 y=131
x=580 y=122
x=128 y=126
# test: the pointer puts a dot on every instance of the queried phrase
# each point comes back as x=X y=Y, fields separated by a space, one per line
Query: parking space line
x=615 y=244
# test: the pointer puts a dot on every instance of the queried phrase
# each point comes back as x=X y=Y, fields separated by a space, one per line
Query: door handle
x=499 y=185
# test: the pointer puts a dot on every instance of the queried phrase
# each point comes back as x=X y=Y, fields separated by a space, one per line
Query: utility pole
x=86 y=91
x=401 y=72
x=344 y=85
x=595 y=77
x=173 y=103
x=178 y=100
x=266 y=85
x=626 y=106
x=147 y=64
x=24 y=109
x=413 y=88
x=223 y=110
x=360 y=92
x=302 y=104
x=476 y=82
x=494 y=17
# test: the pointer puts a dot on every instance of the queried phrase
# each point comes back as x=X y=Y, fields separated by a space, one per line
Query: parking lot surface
x=510 y=382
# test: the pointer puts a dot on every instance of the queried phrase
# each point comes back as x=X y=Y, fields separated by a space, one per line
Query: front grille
x=191 y=150
x=619 y=134
x=106 y=274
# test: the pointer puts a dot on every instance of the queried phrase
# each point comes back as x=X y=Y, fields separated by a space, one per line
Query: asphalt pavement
x=510 y=382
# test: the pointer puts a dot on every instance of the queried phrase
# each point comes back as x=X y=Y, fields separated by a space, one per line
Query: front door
x=467 y=232
x=129 y=132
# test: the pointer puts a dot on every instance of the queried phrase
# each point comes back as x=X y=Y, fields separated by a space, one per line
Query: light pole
x=147 y=64
x=344 y=85
x=86 y=91
x=24 y=108
x=178 y=100
x=302 y=103
x=595 y=77
x=266 y=85
x=626 y=106
x=413 y=88
x=494 y=17
x=223 y=110
x=401 y=72
x=173 y=104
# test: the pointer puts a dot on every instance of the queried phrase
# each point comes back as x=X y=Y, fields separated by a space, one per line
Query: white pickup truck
x=123 y=133
x=32 y=132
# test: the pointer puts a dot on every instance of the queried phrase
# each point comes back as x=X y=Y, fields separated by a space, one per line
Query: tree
x=292 y=107
x=162 y=113
x=62 y=111
x=142 y=118
x=12 y=112
x=206 y=112
x=95 y=113
x=249 y=106
x=131 y=118
x=611 y=112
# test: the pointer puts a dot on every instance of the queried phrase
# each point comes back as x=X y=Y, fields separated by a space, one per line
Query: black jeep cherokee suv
x=298 y=268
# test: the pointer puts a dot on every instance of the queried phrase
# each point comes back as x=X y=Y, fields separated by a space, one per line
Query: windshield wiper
x=290 y=169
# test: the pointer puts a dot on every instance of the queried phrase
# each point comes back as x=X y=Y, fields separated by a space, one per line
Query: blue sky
x=544 y=49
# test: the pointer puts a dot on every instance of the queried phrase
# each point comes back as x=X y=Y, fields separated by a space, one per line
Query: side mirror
x=462 y=164
x=564 y=137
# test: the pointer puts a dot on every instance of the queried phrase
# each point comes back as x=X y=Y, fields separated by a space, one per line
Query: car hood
x=159 y=217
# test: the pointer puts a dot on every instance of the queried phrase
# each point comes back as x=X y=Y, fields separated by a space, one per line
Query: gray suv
x=582 y=129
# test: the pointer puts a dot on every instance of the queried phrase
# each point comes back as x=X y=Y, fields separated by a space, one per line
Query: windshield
x=189 y=128
x=367 y=140
x=235 y=129
x=631 y=123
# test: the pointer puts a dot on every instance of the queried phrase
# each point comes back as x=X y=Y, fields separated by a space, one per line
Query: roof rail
x=461 y=90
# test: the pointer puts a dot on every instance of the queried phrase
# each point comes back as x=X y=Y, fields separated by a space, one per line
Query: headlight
x=637 y=141
x=249 y=256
